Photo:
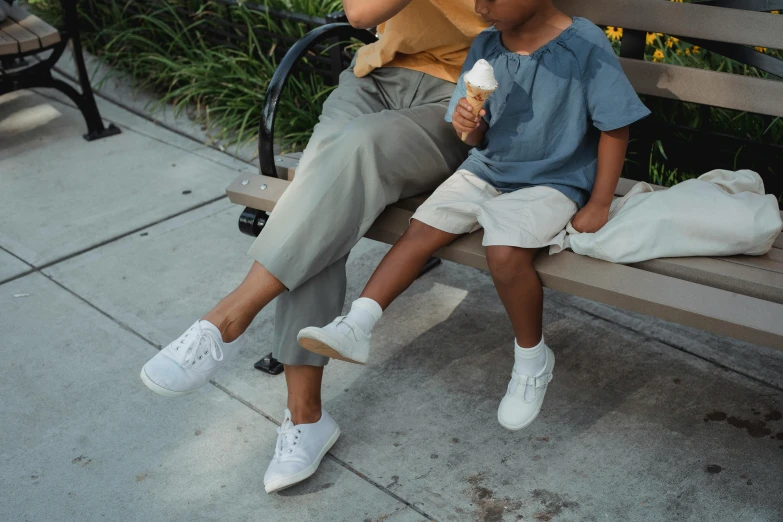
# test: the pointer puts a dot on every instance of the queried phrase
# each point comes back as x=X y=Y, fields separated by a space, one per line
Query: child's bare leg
x=403 y=263
x=348 y=338
x=520 y=290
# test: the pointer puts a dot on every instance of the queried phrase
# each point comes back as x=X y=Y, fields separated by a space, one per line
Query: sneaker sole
x=312 y=344
x=523 y=425
x=296 y=478
x=160 y=390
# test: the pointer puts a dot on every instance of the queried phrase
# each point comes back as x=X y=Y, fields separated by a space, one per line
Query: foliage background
x=162 y=44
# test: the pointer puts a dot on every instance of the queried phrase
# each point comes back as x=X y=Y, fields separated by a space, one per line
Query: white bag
x=722 y=213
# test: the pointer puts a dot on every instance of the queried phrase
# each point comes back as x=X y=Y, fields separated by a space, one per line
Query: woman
x=390 y=104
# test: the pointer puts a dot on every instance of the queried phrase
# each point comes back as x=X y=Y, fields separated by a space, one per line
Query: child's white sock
x=530 y=361
x=365 y=313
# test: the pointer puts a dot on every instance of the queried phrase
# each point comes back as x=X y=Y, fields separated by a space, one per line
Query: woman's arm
x=365 y=14
x=611 y=156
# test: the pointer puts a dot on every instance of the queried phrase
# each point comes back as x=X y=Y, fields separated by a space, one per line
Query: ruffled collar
x=565 y=34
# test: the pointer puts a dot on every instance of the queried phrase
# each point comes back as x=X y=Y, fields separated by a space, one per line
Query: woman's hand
x=591 y=217
x=464 y=121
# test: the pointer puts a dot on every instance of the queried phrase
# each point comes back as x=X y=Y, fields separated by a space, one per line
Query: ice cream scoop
x=482 y=76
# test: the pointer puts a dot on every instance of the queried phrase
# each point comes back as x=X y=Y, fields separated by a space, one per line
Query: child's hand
x=591 y=218
x=464 y=121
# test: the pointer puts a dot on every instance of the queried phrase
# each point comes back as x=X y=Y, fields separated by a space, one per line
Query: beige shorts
x=532 y=217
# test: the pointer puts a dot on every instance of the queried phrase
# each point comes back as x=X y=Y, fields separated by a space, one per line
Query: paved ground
x=110 y=249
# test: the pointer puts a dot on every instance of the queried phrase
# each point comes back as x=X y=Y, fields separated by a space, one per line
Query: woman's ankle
x=230 y=330
x=305 y=413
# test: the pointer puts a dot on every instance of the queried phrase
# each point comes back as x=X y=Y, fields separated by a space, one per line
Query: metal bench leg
x=431 y=263
x=86 y=100
x=270 y=365
x=95 y=128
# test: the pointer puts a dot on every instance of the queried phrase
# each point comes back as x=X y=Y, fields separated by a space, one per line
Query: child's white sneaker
x=525 y=395
x=189 y=362
x=299 y=450
x=341 y=339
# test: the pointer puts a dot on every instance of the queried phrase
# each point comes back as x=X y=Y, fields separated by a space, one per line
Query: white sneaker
x=525 y=395
x=189 y=362
x=299 y=451
x=341 y=339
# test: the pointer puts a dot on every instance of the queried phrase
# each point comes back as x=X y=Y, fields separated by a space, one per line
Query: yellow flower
x=696 y=49
x=651 y=38
x=658 y=55
x=670 y=41
x=679 y=52
x=677 y=1
x=614 y=33
x=761 y=49
x=687 y=52
x=775 y=12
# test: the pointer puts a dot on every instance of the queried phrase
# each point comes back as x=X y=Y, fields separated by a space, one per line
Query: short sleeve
x=460 y=91
x=612 y=102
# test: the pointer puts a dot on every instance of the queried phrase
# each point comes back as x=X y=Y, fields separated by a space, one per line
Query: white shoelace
x=214 y=346
x=287 y=437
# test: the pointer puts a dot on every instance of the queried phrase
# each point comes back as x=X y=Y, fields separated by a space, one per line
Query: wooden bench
x=24 y=35
x=739 y=296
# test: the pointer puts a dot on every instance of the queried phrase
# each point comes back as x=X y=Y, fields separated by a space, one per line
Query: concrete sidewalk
x=110 y=249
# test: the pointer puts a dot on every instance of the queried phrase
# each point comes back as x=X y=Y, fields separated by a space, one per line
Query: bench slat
x=251 y=195
x=8 y=45
x=27 y=40
x=712 y=309
x=47 y=34
x=720 y=273
x=765 y=262
x=730 y=91
x=682 y=19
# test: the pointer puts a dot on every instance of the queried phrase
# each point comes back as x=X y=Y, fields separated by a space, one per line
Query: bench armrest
x=266 y=133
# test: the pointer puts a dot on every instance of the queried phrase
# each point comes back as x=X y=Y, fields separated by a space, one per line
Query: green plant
x=162 y=44
x=222 y=86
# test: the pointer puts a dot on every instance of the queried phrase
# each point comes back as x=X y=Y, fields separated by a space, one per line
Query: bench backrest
x=700 y=22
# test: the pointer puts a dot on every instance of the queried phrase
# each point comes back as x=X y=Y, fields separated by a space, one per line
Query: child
x=549 y=147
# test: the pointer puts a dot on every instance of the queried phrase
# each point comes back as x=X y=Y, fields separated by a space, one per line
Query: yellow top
x=430 y=36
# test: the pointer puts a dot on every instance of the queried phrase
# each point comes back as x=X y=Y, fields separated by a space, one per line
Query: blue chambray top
x=546 y=115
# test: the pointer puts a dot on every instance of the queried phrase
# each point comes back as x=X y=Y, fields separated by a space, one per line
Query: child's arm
x=464 y=121
x=611 y=155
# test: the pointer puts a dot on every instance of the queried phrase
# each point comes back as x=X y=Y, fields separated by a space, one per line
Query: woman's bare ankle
x=309 y=414
x=229 y=329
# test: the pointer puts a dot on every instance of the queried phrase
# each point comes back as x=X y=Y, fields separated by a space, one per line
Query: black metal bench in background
x=24 y=35
x=737 y=296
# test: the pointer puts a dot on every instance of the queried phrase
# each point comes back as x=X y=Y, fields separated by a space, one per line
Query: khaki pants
x=379 y=139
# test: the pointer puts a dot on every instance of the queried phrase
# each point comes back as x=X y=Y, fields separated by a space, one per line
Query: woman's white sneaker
x=341 y=339
x=189 y=362
x=525 y=395
x=299 y=450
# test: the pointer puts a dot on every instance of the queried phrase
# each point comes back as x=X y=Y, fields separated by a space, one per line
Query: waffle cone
x=476 y=97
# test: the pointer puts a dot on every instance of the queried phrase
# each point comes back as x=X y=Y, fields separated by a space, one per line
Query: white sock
x=530 y=361
x=365 y=313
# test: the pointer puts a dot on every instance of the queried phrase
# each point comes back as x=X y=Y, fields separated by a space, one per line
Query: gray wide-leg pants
x=379 y=139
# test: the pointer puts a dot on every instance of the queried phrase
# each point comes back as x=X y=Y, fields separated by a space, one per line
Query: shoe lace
x=287 y=437
x=206 y=339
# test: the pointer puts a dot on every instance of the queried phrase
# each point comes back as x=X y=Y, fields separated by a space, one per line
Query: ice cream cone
x=476 y=96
